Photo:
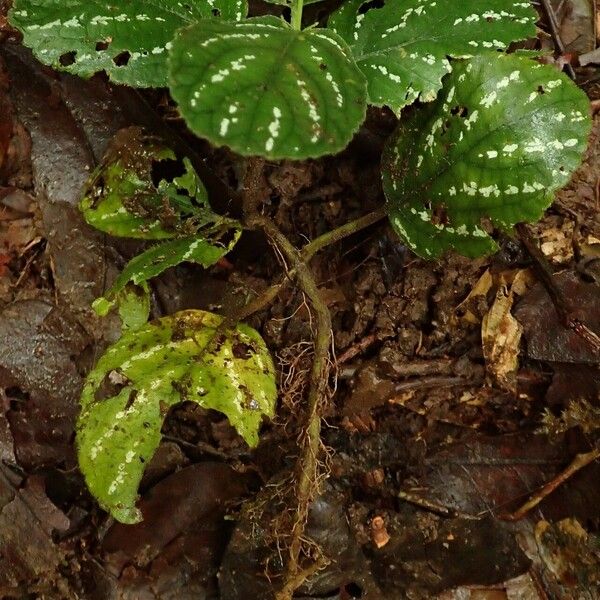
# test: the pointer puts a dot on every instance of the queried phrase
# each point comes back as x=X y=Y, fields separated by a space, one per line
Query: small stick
x=357 y=349
x=554 y=30
x=431 y=506
x=580 y=461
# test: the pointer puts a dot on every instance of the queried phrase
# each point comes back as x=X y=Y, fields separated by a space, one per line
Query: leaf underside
x=262 y=88
x=129 y=40
x=183 y=357
x=403 y=47
x=504 y=134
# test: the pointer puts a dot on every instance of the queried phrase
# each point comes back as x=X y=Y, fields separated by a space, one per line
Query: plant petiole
x=296 y=20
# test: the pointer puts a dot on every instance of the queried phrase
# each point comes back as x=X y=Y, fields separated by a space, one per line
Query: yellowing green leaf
x=189 y=356
x=123 y=197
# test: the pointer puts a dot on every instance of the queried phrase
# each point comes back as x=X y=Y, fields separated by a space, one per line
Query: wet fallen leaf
x=576 y=24
x=554 y=342
x=37 y=371
x=572 y=555
x=182 y=504
x=29 y=558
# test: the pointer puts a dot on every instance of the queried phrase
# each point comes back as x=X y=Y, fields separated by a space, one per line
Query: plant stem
x=307 y=466
x=339 y=233
x=296 y=20
x=307 y=253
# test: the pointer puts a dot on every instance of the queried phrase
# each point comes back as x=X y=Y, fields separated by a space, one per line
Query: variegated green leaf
x=123 y=197
x=128 y=40
x=263 y=88
x=205 y=249
x=289 y=2
x=189 y=356
x=128 y=196
x=504 y=134
x=403 y=48
x=134 y=306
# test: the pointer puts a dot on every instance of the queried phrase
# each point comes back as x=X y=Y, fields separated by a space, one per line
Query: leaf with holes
x=189 y=356
x=504 y=134
x=128 y=40
x=403 y=47
x=141 y=191
x=263 y=88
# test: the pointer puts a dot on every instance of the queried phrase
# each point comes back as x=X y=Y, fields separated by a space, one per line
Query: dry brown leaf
x=469 y=309
x=501 y=338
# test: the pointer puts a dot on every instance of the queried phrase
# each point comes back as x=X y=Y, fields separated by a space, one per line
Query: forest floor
x=457 y=391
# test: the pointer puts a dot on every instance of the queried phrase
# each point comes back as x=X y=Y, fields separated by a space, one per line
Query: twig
x=562 y=306
x=580 y=461
x=432 y=506
x=555 y=32
x=356 y=349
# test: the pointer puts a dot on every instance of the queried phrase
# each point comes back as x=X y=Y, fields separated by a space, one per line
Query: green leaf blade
x=503 y=136
x=403 y=47
x=204 y=251
x=128 y=40
x=262 y=88
x=187 y=356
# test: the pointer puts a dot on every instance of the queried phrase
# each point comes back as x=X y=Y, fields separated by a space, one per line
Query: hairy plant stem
x=307 y=465
x=310 y=439
x=306 y=254
x=296 y=20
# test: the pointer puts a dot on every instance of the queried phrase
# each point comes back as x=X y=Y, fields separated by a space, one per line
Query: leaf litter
x=425 y=451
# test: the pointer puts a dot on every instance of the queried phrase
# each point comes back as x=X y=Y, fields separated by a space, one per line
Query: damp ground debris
x=460 y=418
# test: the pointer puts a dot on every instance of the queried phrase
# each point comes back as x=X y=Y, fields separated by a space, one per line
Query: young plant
x=496 y=136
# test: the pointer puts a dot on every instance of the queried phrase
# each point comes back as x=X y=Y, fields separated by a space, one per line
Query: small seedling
x=494 y=136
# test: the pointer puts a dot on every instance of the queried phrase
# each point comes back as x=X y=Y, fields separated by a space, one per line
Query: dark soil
x=429 y=447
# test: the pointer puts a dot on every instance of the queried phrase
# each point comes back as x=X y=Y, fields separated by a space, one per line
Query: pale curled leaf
x=403 y=47
x=504 y=134
x=501 y=335
x=129 y=40
x=262 y=88
x=188 y=356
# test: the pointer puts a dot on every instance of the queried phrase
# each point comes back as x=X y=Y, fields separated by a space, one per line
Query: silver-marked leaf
x=504 y=134
x=289 y=2
x=128 y=40
x=205 y=251
x=129 y=194
x=189 y=356
x=140 y=191
x=262 y=88
x=403 y=47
